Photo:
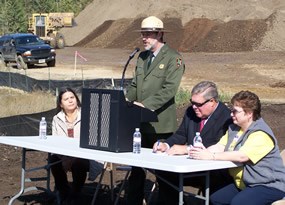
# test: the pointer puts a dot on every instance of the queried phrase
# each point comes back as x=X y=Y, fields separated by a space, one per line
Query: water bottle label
x=198 y=144
x=137 y=139
x=43 y=130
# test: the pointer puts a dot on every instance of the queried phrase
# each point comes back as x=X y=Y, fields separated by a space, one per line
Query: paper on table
x=161 y=153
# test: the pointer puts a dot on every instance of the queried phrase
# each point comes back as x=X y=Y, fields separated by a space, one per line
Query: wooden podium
x=108 y=121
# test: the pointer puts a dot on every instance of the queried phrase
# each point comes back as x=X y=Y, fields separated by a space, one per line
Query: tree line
x=14 y=14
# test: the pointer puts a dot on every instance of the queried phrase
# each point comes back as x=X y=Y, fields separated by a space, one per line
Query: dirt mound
x=274 y=38
x=113 y=34
x=194 y=33
x=233 y=36
x=198 y=35
x=196 y=26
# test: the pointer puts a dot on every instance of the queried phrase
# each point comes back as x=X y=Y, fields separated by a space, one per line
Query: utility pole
x=5 y=18
x=57 y=4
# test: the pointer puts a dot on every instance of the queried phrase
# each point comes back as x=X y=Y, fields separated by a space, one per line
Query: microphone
x=134 y=52
x=125 y=68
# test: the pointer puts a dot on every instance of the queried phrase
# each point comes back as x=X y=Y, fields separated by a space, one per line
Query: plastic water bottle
x=137 y=139
x=197 y=142
x=43 y=128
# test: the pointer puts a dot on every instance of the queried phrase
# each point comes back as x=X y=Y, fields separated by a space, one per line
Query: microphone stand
x=124 y=71
x=125 y=68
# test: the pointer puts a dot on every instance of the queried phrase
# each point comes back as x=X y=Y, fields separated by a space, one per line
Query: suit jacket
x=156 y=87
x=213 y=130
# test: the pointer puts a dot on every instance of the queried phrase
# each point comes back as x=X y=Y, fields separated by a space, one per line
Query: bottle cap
x=197 y=133
x=137 y=129
x=43 y=118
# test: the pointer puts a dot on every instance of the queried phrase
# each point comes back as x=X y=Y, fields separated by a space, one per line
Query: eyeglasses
x=199 y=104
x=234 y=111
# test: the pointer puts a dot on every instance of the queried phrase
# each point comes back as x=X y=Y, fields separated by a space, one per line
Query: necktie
x=150 y=60
x=202 y=123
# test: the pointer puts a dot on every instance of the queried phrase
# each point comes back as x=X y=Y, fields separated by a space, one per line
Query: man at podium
x=158 y=74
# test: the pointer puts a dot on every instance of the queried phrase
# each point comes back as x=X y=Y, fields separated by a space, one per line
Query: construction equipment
x=47 y=25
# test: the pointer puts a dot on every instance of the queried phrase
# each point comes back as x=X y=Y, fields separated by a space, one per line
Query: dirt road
x=261 y=72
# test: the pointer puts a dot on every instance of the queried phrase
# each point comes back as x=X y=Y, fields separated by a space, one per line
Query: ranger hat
x=152 y=24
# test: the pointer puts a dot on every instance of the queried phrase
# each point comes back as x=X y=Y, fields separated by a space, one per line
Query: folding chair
x=154 y=187
x=109 y=168
x=128 y=170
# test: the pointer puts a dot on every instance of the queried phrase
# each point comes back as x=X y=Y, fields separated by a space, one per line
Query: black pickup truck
x=25 y=50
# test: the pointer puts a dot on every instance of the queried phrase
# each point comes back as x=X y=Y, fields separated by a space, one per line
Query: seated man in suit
x=211 y=118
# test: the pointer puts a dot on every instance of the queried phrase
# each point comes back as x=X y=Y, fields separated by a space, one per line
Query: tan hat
x=152 y=24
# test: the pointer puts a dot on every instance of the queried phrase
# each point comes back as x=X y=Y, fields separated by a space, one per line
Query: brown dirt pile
x=198 y=35
x=218 y=26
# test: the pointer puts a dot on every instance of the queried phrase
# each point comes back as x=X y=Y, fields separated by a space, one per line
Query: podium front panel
x=104 y=121
x=99 y=122
x=108 y=121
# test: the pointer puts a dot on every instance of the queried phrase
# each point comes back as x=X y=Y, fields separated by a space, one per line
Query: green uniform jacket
x=156 y=87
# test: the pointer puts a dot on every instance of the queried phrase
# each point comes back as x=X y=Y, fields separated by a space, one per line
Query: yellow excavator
x=47 y=25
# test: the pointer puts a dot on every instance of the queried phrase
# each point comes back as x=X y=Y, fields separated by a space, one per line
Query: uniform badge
x=178 y=62
x=161 y=66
